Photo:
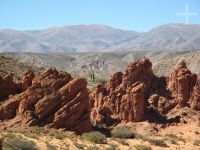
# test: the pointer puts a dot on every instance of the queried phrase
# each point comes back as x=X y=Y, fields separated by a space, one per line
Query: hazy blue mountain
x=64 y=39
x=167 y=37
x=92 y=38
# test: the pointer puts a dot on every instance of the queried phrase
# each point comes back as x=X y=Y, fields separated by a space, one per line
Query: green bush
x=94 y=137
x=18 y=143
x=142 y=147
x=122 y=132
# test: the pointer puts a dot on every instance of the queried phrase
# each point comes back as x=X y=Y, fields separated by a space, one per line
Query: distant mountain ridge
x=94 y=38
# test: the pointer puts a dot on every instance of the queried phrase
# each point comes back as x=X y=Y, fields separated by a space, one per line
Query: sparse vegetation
x=92 y=148
x=174 y=138
x=13 y=142
x=59 y=136
x=158 y=142
x=142 y=147
x=122 y=132
x=79 y=146
x=94 y=137
x=112 y=146
x=10 y=65
x=50 y=147
x=141 y=137
x=123 y=142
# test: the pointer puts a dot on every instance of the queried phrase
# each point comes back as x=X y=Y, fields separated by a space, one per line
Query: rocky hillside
x=13 y=66
x=104 y=64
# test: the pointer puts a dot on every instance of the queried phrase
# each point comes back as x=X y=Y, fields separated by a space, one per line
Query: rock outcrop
x=8 y=86
x=195 y=97
x=57 y=100
x=54 y=99
x=181 y=83
x=123 y=98
x=138 y=94
x=27 y=79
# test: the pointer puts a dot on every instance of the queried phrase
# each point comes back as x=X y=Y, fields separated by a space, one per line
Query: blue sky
x=139 y=15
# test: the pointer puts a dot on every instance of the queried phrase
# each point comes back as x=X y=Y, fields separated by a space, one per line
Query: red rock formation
x=54 y=99
x=161 y=104
x=195 y=98
x=27 y=79
x=139 y=94
x=180 y=83
x=8 y=86
x=123 y=97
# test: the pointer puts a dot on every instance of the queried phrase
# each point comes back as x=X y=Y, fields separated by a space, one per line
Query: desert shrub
x=112 y=146
x=196 y=132
x=79 y=146
x=123 y=142
x=173 y=138
x=93 y=148
x=18 y=143
x=122 y=132
x=142 y=147
x=59 y=136
x=141 y=137
x=158 y=142
x=94 y=137
x=196 y=142
x=50 y=147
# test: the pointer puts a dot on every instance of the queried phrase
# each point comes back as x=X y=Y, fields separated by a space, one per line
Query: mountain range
x=99 y=38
